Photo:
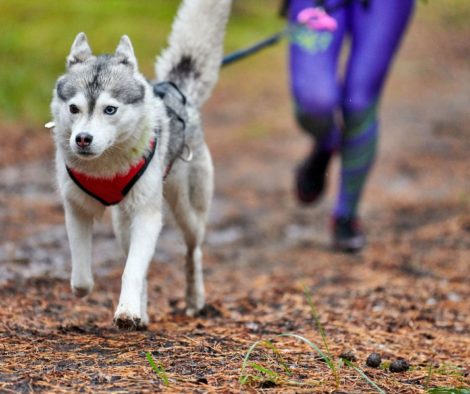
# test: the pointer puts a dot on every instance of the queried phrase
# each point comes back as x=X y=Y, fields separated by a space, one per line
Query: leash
x=277 y=37
x=255 y=48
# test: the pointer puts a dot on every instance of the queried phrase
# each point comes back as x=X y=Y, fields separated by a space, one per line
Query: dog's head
x=100 y=99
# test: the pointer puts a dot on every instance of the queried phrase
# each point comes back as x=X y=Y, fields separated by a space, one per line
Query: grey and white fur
x=105 y=116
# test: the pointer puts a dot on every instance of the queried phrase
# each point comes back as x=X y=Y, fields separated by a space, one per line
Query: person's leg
x=315 y=89
x=376 y=33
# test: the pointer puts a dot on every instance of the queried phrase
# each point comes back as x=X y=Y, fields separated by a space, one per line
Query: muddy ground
x=407 y=295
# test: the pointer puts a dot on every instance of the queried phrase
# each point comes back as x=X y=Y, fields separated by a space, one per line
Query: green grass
x=262 y=373
x=449 y=390
x=158 y=369
x=35 y=37
x=279 y=373
x=364 y=376
x=446 y=369
x=256 y=373
x=328 y=358
x=452 y=15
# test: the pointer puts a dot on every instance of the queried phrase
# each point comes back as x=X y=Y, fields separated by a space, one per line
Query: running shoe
x=347 y=235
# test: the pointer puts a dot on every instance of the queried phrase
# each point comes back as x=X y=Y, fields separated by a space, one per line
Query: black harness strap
x=176 y=107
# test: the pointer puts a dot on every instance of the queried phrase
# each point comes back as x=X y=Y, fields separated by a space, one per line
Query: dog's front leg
x=131 y=312
x=79 y=224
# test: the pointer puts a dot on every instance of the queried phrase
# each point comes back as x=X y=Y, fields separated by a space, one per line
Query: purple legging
x=319 y=92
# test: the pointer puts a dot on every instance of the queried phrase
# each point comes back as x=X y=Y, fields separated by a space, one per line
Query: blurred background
x=261 y=246
x=35 y=38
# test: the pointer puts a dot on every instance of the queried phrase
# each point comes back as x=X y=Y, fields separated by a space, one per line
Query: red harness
x=111 y=191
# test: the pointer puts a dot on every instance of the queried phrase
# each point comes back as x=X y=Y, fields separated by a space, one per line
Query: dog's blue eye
x=110 y=110
x=73 y=109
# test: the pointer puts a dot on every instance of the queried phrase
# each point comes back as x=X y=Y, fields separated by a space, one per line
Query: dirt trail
x=406 y=295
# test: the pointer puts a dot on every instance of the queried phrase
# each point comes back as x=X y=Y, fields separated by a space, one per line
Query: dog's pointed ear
x=125 y=52
x=80 y=50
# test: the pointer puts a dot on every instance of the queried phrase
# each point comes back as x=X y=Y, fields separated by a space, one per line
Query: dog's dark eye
x=110 y=110
x=73 y=109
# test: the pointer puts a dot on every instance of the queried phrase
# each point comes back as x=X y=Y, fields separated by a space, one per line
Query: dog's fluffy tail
x=194 y=54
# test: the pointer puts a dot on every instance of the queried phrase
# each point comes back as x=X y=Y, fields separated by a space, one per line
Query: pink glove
x=317 y=19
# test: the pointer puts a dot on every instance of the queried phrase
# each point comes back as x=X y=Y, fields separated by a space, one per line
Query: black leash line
x=251 y=50
x=277 y=37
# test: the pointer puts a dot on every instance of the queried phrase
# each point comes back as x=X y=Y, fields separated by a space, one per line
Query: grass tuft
x=448 y=390
x=321 y=330
x=364 y=376
x=265 y=374
x=158 y=369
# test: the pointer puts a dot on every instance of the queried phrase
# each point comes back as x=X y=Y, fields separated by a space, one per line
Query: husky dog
x=120 y=142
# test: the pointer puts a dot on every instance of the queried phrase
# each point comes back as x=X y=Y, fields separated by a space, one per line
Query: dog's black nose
x=83 y=139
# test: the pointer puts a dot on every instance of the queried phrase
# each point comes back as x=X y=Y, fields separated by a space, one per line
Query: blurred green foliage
x=35 y=37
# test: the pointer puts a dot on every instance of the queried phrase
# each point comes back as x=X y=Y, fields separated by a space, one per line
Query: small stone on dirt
x=400 y=365
x=374 y=360
x=209 y=311
x=202 y=380
x=348 y=355
x=267 y=384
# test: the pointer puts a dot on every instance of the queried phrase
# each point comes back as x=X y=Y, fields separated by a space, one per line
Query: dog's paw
x=81 y=290
x=194 y=304
x=144 y=319
x=207 y=311
x=193 y=311
x=128 y=322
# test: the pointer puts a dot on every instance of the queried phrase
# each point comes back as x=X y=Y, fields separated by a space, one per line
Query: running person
x=316 y=37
